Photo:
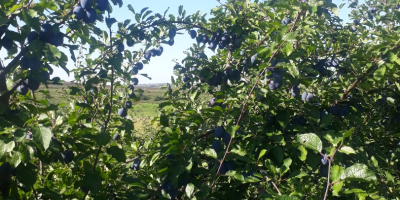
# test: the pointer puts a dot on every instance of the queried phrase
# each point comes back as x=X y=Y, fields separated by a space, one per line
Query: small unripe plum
x=79 y=12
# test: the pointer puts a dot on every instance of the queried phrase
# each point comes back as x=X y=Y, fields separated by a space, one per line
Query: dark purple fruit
x=87 y=4
x=23 y=88
x=90 y=16
x=79 y=12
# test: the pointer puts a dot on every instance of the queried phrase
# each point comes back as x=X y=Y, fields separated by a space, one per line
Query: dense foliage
x=299 y=104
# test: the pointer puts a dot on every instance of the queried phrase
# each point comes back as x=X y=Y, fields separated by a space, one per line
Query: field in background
x=142 y=111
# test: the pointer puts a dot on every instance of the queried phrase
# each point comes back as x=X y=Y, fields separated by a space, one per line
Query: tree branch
x=248 y=96
x=176 y=22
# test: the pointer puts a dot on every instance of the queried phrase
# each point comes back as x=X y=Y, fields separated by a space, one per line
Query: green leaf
x=189 y=190
x=278 y=153
x=311 y=141
x=42 y=136
x=287 y=48
x=348 y=133
x=379 y=73
x=262 y=153
x=347 y=150
x=27 y=174
x=103 y=138
x=6 y=147
x=303 y=153
x=117 y=153
x=210 y=152
x=110 y=22
x=358 y=172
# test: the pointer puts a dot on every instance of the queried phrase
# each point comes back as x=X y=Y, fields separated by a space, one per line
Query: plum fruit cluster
x=85 y=11
x=220 y=133
x=123 y=112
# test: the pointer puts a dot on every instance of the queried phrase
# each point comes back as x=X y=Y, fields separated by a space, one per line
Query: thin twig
x=277 y=189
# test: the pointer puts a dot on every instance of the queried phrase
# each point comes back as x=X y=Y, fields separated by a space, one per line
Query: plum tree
x=280 y=137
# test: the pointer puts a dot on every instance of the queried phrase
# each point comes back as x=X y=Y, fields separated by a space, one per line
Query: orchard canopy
x=277 y=99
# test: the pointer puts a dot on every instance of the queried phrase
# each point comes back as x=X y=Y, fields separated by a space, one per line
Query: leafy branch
x=248 y=96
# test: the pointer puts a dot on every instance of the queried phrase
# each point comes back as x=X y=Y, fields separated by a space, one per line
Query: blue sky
x=161 y=68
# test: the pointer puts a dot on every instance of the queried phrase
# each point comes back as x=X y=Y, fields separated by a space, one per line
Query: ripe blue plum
x=32 y=36
x=128 y=104
x=90 y=16
x=120 y=47
x=34 y=63
x=116 y=136
x=193 y=34
x=130 y=42
x=7 y=43
x=172 y=33
x=135 y=81
x=147 y=55
x=33 y=84
x=219 y=132
x=102 y=5
x=79 y=12
x=139 y=65
x=68 y=156
x=122 y=112
x=171 y=41
x=23 y=88
x=24 y=62
x=216 y=145
x=86 y=4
